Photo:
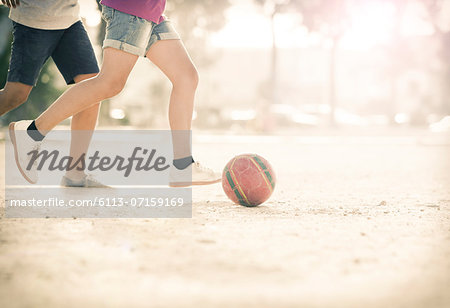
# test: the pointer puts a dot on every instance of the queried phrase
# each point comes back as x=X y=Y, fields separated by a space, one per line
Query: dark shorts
x=70 y=49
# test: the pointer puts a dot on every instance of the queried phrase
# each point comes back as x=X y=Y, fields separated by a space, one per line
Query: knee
x=110 y=86
x=16 y=98
x=188 y=80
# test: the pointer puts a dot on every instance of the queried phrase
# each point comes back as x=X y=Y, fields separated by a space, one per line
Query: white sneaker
x=88 y=181
x=24 y=144
x=195 y=174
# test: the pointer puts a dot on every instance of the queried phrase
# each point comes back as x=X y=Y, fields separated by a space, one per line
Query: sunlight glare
x=245 y=28
x=414 y=22
x=248 y=27
x=89 y=11
x=371 y=24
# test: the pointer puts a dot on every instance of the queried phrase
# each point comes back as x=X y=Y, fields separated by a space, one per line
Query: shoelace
x=203 y=168
x=91 y=178
x=36 y=147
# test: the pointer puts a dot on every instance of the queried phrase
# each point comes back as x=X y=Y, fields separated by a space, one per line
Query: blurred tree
x=42 y=95
x=397 y=63
x=331 y=19
x=326 y=17
x=435 y=9
x=271 y=9
x=195 y=21
x=5 y=44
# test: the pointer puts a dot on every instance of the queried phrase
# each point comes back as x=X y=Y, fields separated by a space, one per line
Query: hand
x=11 y=3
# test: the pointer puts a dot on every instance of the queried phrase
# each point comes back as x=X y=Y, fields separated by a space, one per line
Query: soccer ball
x=248 y=180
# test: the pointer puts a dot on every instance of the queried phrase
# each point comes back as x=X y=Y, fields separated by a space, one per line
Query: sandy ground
x=354 y=221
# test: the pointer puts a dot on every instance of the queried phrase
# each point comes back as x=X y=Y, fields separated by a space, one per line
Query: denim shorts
x=70 y=49
x=133 y=34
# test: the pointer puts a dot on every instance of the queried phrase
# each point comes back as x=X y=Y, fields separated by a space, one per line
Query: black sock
x=183 y=163
x=33 y=132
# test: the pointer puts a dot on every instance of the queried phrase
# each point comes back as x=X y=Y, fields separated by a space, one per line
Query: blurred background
x=283 y=66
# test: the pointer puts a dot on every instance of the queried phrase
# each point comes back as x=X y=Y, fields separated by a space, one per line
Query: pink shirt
x=151 y=10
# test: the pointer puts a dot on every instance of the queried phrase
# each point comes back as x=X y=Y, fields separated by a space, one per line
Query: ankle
x=34 y=133
x=183 y=163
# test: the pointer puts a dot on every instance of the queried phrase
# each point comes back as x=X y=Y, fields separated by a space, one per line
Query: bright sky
x=371 y=25
x=247 y=27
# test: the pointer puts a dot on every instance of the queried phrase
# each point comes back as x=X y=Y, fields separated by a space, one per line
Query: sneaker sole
x=187 y=184
x=93 y=187
x=64 y=184
x=12 y=135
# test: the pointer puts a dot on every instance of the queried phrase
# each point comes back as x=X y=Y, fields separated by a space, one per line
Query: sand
x=360 y=221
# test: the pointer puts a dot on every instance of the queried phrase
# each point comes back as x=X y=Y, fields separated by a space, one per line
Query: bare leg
x=13 y=95
x=82 y=128
x=116 y=68
x=173 y=60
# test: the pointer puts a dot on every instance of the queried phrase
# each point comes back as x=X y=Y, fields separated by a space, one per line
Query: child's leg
x=173 y=60
x=87 y=118
x=113 y=75
x=82 y=127
x=29 y=51
x=13 y=95
x=116 y=67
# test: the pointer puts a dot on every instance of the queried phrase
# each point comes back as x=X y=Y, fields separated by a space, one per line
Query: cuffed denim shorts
x=70 y=49
x=133 y=34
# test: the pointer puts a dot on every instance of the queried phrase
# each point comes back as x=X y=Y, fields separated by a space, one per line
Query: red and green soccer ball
x=248 y=180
